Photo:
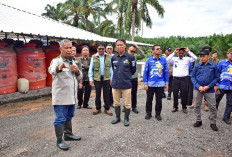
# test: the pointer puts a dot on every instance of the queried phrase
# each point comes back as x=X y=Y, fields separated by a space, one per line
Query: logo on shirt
x=133 y=63
x=126 y=61
x=156 y=70
x=227 y=75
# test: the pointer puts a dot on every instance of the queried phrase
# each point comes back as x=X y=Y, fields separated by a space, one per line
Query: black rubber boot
x=117 y=112
x=59 y=130
x=126 y=119
x=68 y=135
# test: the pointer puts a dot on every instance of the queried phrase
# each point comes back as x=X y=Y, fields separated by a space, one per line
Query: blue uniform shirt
x=205 y=75
x=155 y=72
x=123 y=69
x=102 y=65
x=225 y=70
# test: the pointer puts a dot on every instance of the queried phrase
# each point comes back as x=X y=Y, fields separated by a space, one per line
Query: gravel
x=32 y=134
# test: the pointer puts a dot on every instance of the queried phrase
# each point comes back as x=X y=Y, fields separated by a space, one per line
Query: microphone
x=71 y=62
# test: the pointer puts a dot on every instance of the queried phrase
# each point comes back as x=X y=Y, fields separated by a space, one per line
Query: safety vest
x=97 y=69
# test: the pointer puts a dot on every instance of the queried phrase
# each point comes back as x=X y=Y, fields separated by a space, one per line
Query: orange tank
x=51 y=53
x=8 y=69
x=31 y=65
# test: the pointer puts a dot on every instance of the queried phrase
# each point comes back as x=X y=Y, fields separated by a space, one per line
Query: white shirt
x=181 y=66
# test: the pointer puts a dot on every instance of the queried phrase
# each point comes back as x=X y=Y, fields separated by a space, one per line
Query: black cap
x=169 y=49
x=204 y=52
x=182 y=48
x=207 y=48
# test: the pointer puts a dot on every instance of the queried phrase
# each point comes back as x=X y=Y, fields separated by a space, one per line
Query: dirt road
x=27 y=130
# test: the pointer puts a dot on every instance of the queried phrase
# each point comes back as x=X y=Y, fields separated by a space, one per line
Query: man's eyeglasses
x=158 y=49
x=101 y=49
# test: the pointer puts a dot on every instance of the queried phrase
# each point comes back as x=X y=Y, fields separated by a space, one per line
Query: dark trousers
x=86 y=90
x=63 y=113
x=170 y=85
x=180 y=84
x=190 y=91
x=228 y=108
x=111 y=97
x=134 y=92
x=158 y=97
x=106 y=87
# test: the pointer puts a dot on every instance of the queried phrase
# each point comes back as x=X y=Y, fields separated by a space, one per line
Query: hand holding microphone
x=73 y=68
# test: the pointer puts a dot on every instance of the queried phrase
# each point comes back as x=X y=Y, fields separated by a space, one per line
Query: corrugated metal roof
x=17 y=21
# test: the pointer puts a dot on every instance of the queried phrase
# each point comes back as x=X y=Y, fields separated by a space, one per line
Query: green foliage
x=92 y=16
x=218 y=42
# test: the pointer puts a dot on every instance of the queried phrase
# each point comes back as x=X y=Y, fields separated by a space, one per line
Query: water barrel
x=8 y=69
x=51 y=52
x=31 y=65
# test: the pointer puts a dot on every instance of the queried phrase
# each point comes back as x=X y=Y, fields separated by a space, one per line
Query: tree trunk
x=76 y=20
x=133 y=25
x=86 y=23
x=134 y=9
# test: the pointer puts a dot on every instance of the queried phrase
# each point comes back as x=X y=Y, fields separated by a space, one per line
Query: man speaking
x=65 y=76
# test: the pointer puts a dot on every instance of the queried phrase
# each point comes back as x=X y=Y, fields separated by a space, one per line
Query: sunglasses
x=158 y=49
x=101 y=49
x=132 y=51
x=109 y=48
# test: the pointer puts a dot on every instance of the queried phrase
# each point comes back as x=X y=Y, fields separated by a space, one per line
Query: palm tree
x=119 y=7
x=57 y=13
x=144 y=13
x=80 y=10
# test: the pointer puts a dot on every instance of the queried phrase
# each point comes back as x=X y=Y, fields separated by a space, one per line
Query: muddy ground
x=27 y=130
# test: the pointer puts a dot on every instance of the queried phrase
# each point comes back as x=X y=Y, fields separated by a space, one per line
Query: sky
x=189 y=18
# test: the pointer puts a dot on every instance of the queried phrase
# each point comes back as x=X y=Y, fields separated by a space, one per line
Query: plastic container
x=23 y=85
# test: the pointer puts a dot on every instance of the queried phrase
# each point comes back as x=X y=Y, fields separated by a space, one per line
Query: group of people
x=116 y=74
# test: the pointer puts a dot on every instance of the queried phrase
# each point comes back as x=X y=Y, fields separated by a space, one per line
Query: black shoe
x=197 y=124
x=135 y=110
x=169 y=98
x=227 y=121
x=185 y=111
x=87 y=107
x=148 y=116
x=78 y=107
x=214 y=127
x=158 y=117
x=174 y=109
x=164 y=95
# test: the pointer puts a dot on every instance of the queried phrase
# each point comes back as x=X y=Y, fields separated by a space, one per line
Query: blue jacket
x=155 y=72
x=225 y=70
x=205 y=75
x=123 y=69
